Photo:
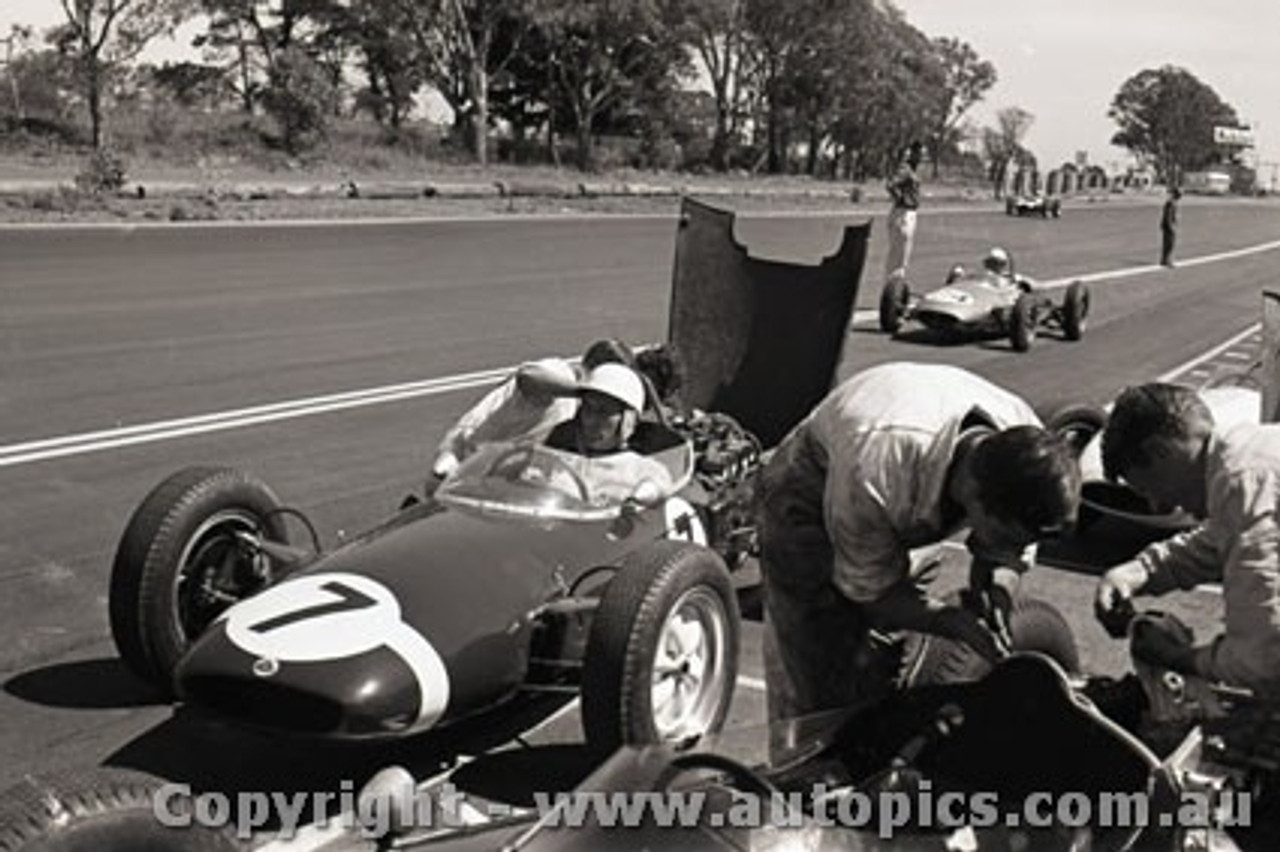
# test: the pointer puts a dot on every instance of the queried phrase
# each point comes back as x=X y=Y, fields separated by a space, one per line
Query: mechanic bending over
x=612 y=398
x=536 y=397
x=897 y=457
x=1161 y=439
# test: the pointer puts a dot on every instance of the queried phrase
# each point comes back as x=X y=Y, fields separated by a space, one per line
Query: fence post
x=1270 y=356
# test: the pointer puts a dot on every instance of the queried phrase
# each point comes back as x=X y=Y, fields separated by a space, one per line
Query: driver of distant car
x=999 y=267
x=611 y=399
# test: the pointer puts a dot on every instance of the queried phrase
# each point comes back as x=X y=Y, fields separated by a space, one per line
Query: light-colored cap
x=618 y=381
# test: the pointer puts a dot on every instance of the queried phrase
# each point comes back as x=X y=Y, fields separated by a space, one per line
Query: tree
x=1166 y=116
x=17 y=40
x=603 y=52
x=966 y=79
x=1003 y=144
x=299 y=96
x=717 y=31
x=104 y=34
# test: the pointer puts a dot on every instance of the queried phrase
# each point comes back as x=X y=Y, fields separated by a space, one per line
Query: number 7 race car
x=996 y=303
x=512 y=580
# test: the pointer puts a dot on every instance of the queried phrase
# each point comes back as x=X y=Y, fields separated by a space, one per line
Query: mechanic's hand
x=964 y=626
x=1163 y=642
x=1113 y=599
x=992 y=606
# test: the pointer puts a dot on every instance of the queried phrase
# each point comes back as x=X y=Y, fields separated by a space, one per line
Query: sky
x=1064 y=60
x=1061 y=60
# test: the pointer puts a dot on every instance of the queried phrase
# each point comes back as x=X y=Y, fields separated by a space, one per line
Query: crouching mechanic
x=897 y=457
x=599 y=435
x=1161 y=439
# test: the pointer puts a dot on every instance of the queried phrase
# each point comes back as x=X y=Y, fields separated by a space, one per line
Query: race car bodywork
x=986 y=303
x=516 y=577
x=1033 y=205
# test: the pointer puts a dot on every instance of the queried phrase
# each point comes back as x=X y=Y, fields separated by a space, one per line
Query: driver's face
x=601 y=423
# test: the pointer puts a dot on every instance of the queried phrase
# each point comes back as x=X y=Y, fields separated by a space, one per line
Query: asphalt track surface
x=362 y=343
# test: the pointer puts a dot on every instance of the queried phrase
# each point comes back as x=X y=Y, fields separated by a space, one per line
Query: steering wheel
x=517 y=460
x=744 y=777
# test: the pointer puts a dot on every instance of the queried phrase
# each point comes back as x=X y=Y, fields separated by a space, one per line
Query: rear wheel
x=181 y=563
x=662 y=653
x=894 y=299
x=1075 y=311
x=1022 y=323
x=102 y=810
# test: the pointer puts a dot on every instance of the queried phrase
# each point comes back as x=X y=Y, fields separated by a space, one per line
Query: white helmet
x=617 y=381
x=997 y=260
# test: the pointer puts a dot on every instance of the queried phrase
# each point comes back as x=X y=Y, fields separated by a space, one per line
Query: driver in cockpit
x=612 y=397
x=999 y=268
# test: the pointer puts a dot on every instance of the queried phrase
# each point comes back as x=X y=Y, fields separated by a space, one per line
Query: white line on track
x=44 y=449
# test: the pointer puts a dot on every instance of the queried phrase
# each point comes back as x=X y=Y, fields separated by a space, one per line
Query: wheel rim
x=689 y=666
x=214 y=570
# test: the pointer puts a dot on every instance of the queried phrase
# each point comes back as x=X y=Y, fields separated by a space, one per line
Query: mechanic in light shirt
x=1161 y=439
x=897 y=457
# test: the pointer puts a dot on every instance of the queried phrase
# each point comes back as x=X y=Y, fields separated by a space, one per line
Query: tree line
x=821 y=87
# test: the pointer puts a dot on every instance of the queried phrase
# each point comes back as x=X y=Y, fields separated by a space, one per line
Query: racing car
x=995 y=301
x=1033 y=205
x=513 y=579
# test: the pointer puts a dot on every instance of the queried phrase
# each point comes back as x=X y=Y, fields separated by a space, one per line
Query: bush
x=300 y=97
x=103 y=171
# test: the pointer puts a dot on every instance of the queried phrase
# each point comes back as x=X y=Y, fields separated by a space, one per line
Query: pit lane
x=107 y=330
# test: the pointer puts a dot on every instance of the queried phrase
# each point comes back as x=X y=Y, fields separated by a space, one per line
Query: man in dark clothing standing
x=1169 y=226
x=904 y=191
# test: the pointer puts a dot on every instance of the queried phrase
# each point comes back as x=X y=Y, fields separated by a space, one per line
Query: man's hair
x=608 y=350
x=1029 y=475
x=1154 y=410
x=662 y=368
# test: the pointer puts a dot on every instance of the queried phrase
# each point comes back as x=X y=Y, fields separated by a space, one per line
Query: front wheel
x=1022 y=323
x=182 y=561
x=894 y=299
x=662 y=653
x=102 y=810
x=1075 y=311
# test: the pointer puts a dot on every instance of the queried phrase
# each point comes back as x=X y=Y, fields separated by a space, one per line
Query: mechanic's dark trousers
x=1168 y=236
x=816 y=653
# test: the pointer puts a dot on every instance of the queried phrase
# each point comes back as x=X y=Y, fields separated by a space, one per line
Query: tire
x=186 y=524
x=1022 y=323
x=104 y=810
x=1075 y=311
x=1010 y=207
x=1056 y=210
x=1077 y=423
x=1035 y=625
x=894 y=299
x=636 y=617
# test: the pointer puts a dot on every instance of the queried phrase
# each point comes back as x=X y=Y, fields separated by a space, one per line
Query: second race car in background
x=994 y=301
x=1044 y=206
